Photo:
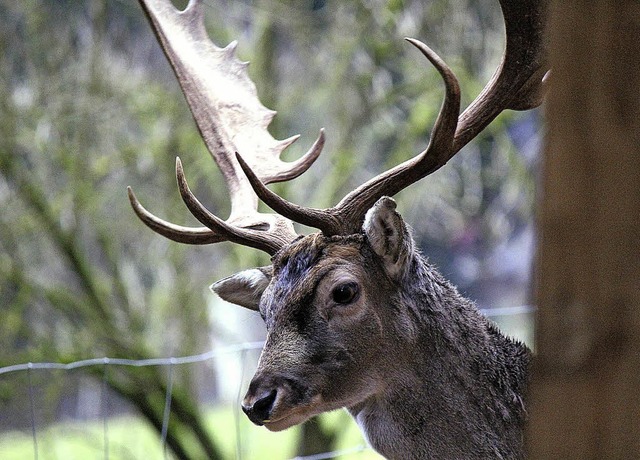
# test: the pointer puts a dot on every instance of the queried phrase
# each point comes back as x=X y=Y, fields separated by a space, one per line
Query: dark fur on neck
x=462 y=385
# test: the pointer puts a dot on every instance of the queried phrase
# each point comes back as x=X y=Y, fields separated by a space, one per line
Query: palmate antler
x=231 y=120
x=233 y=124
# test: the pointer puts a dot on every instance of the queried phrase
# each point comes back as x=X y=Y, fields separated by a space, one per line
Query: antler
x=233 y=124
x=231 y=119
x=518 y=84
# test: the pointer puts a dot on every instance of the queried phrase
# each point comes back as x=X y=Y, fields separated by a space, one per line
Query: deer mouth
x=283 y=415
x=288 y=420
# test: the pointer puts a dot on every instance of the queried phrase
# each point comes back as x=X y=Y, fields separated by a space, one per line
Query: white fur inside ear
x=244 y=288
x=388 y=234
x=380 y=226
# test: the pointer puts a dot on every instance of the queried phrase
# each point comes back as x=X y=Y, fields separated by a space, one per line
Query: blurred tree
x=76 y=280
x=88 y=105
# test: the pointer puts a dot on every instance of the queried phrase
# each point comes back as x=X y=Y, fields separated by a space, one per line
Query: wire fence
x=170 y=363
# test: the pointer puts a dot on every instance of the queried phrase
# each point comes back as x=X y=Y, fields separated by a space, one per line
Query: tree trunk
x=585 y=394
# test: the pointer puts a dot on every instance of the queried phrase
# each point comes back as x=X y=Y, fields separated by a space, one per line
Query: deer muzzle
x=278 y=402
x=258 y=408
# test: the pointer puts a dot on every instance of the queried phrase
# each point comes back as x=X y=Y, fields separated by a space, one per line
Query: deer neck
x=457 y=390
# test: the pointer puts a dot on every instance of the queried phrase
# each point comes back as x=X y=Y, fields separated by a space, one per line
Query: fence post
x=584 y=397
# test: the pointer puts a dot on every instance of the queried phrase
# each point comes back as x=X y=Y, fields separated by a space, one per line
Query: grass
x=129 y=438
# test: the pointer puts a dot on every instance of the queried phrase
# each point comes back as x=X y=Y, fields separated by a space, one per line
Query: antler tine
x=270 y=240
x=322 y=219
x=178 y=233
x=301 y=165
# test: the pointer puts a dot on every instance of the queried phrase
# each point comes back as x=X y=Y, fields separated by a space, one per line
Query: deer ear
x=244 y=288
x=388 y=235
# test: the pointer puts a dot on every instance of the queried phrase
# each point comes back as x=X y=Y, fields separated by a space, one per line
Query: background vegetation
x=88 y=105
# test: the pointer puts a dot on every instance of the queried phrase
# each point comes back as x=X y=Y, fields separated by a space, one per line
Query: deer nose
x=258 y=409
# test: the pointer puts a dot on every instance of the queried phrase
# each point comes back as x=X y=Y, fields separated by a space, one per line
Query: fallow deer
x=356 y=317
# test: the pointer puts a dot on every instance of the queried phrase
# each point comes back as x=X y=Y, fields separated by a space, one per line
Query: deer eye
x=345 y=293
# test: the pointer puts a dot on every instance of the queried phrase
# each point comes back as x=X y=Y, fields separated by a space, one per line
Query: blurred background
x=89 y=105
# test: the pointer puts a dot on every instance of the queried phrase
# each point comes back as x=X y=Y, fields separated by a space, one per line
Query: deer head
x=334 y=302
x=327 y=328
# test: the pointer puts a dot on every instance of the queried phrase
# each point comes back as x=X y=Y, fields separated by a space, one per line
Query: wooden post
x=585 y=394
